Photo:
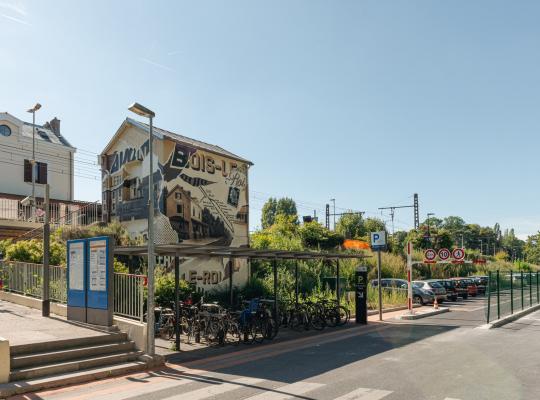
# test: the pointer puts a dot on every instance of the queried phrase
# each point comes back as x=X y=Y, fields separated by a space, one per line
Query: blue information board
x=98 y=273
x=76 y=273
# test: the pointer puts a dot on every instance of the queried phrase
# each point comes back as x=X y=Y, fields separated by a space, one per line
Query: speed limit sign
x=444 y=254
x=458 y=254
x=430 y=255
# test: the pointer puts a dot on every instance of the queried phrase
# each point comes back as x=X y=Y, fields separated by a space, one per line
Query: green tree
x=268 y=213
x=273 y=207
x=374 y=225
x=351 y=226
x=315 y=235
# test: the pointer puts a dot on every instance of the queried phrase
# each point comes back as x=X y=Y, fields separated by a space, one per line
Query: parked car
x=481 y=283
x=420 y=296
x=468 y=284
x=433 y=288
x=451 y=289
x=460 y=289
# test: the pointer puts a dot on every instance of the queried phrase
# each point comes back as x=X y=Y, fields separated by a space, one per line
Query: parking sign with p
x=378 y=240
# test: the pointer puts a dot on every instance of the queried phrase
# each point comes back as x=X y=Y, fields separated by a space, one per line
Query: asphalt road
x=449 y=356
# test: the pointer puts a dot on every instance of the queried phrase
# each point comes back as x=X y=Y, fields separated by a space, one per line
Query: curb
x=510 y=318
x=423 y=315
x=387 y=310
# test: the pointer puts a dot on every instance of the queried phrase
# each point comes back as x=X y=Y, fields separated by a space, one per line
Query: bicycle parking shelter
x=181 y=250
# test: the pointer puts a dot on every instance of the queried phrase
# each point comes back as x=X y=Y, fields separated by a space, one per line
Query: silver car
x=433 y=288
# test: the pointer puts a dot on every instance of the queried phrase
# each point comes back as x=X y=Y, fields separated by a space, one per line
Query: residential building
x=200 y=192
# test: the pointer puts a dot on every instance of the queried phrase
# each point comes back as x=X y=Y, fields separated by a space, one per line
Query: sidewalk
x=22 y=325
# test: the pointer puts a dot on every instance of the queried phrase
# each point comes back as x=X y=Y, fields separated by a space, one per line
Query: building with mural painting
x=200 y=192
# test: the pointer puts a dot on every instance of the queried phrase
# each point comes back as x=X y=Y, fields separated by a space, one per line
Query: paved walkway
x=23 y=325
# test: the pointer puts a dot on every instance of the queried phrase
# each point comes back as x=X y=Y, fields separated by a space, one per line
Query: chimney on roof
x=55 y=125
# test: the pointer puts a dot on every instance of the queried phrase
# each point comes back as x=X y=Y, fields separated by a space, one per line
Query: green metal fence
x=511 y=291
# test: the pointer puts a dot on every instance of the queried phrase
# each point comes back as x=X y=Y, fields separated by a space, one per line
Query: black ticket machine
x=361 y=294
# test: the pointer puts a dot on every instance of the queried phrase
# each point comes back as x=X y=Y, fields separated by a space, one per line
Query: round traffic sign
x=444 y=254
x=458 y=254
x=430 y=254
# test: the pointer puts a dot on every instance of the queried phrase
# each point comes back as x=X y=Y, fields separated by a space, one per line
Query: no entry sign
x=444 y=254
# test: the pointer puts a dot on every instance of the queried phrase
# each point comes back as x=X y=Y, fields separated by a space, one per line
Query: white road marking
x=287 y=391
x=215 y=390
x=365 y=394
x=450 y=398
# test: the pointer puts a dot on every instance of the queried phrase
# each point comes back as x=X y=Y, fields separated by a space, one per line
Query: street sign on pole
x=429 y=256
x=458 y=254
x=378 y=240
x=378 y=243
x=444 y=254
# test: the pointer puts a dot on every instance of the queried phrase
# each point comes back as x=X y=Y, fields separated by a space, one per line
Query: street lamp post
x=33 y=110
x=428 y=225
x=150 y=345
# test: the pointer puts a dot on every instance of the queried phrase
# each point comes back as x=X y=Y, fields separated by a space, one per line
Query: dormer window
x=5 y=130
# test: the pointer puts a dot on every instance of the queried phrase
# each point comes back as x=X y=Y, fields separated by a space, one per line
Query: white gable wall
x=16 y=148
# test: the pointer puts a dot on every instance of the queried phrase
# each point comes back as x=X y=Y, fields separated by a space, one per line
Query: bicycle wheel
x=258 y=330
x=234 y=334
x=344 y=316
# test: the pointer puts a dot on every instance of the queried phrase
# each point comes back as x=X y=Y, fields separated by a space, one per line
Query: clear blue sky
x=363 y=101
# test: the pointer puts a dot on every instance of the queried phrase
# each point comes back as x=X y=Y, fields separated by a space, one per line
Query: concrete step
x=70 y=378
x=67 y=343
x=26 y=373
x=56 y=356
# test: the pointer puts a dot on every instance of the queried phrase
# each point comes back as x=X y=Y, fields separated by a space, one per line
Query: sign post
x=361 y=294
x=378 y=243
x=409 y=278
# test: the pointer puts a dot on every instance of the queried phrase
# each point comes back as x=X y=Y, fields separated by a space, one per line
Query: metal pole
x=296 y=282
x=530 y=288
x=275 y=290
x=409 y=278
x=45 y=301
x=337 y=283
x=511 y=292
x=150 y=345
x=537 y=289
x=230 y=283
x=522 y=300
x=33 y=164
x=379 y=282
x=177 y=315
x=489 y=296
x=498 y=297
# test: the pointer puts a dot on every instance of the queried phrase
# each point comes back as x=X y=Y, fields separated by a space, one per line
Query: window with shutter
x=27 y=171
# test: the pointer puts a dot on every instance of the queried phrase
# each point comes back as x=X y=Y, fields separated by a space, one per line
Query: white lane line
x=450 y=398
x=287 y=391
x=215 y=390
x=365 y=394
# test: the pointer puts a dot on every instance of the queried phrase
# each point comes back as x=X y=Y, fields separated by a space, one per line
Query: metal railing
x=511 y=291
x=27 y=278
x=129 y=295
x=61 y=214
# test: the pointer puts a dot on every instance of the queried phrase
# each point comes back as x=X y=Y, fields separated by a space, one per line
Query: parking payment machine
x=361 y=294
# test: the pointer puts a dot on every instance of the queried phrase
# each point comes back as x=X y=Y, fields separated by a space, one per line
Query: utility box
x=90 y=280
x=361 y=294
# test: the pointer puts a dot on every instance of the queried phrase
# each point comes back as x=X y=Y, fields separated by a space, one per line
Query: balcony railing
x=61 y=214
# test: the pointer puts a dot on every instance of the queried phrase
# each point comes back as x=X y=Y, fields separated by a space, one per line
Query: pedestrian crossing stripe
x=287 y=392
x=365 y=394
x=216 y=389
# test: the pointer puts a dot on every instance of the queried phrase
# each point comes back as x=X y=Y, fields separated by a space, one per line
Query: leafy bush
x=164 y=289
